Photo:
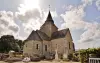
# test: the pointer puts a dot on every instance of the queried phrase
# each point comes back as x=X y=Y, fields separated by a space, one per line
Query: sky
x=82 y=17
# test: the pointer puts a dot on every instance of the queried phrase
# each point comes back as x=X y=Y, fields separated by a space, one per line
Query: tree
x=20 y=43
x=7 y=43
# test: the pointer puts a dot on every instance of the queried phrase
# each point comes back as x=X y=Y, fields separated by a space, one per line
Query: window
x=56 y=46
x=45 y=47
x=26 y=45
x=69 y=45
x=36 y=46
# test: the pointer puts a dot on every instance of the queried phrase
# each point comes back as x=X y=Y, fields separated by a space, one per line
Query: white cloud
x=90 y=2
x=7 y=24
x=87 y=2
x=91 y=34
x=34 y=13
x=98 y=4
x=14 y=28
x=54 y=13
x=32 y=18
x=74 y=19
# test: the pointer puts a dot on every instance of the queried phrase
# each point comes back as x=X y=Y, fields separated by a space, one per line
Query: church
x=48 y=39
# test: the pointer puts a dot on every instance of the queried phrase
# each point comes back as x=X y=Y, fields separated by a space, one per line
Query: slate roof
x=34 y=36
x=37 y=35
x=59 y=34
x=40 y=36
x=43 y=35
x=49 y=18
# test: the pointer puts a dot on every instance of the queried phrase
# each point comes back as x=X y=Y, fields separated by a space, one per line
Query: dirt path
x=44 y=62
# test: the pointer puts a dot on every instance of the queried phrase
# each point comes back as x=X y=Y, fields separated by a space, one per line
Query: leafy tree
x=20 y=43
x=7 y=43
x=85 y=54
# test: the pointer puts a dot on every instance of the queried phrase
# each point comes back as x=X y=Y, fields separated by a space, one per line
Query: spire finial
x=49 y=7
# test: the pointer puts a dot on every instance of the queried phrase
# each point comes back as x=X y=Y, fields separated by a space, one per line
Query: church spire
x=49 y=18
x=49 y=27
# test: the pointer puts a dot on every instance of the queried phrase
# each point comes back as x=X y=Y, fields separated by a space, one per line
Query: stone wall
x=60 y=44
x=30 y=47
x=69 y=39
x=48 y=28
x=48 y=43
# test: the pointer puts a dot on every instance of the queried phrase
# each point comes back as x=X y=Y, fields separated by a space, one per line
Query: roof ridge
x=34 y=36
x=39 y=34
x=64 y=29
x=59 y=34
x=42 y=35
x=30 y=35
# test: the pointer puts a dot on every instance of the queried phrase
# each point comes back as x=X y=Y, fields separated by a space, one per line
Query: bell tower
x=49 y=27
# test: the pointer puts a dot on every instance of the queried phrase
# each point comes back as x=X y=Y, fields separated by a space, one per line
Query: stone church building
x=48 y=39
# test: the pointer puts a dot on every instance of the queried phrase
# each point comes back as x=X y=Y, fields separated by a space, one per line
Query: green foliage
x=85 y=54
x=65 y=59
x=20 y=43
x=75 y=57
x=7 y=43
x=70 y=56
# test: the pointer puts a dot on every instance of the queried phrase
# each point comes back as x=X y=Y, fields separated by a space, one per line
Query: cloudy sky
x=20 y=17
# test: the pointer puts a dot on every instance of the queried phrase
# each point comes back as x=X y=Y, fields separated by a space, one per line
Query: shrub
x=85 y=54
x=66 y=59
x=70 y=56
x=75 y=58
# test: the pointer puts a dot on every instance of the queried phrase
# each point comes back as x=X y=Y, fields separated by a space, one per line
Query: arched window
x=69 y=45
x=37 y=46
x=45 y=47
